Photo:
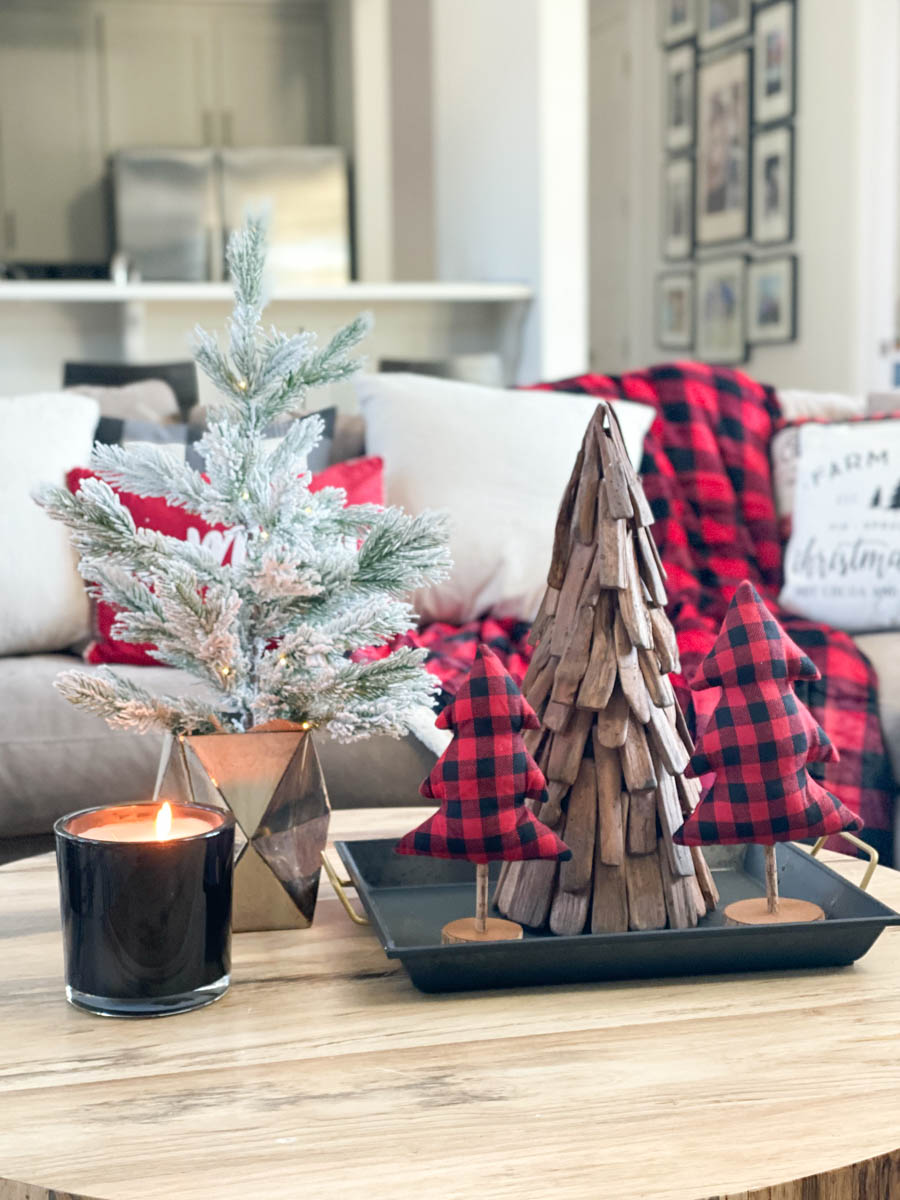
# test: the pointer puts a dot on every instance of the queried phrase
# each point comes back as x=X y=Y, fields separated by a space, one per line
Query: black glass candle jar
x=145 y=899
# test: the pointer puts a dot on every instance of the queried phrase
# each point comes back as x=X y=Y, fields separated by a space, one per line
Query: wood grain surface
x=323 y=1072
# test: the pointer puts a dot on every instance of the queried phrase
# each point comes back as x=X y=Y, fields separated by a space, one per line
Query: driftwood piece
x=631 y=680
x=631 y=602
x=642 y=822
x=683 y=732
x=609 y=910
x=642 y=511
x=637 y=763
x=569 y=911
x=688 y=793
x=612 y=541
x=577 y=573
x=681 y=905
x=581 y=828
x=557 y=716
x=610 y=806
x=552 y=809
x=671 y=819
x=646 y=902
x=600 y=676
x=567 y=749
x=539 y=660
x=705 y=878
x=545 y=612
x=666 y=742
x=615 y=480
x=651 y=571
x=613 y=721
x=539 y=691
x=535 y=740
x=562 y=536
x=574 y=662
x=585 y=514
x=695 y=893
x=664 y=642
x=658 y=685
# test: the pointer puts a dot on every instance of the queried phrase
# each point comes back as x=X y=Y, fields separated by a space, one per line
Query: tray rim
x=883 y=920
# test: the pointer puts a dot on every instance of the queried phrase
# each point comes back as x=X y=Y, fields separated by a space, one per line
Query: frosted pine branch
x=124 y=705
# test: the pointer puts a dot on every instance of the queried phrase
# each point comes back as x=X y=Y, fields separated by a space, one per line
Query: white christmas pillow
x=498 y=460
x=43 y=602
x=803 y=406
x=842 y=563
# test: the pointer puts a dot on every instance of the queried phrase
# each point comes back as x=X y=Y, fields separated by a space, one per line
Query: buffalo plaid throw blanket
x=707 y=475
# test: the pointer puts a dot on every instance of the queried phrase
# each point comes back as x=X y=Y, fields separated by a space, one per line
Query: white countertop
x=64 y=291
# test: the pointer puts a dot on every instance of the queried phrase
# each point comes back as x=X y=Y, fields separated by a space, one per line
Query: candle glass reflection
x=146 y=907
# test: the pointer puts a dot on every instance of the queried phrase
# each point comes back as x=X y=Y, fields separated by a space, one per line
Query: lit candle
x=145 y=897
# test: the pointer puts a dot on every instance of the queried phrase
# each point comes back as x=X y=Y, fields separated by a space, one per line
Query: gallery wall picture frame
x=678 y=208
x=721 y=327
x=772 y=175
x=772 y=300
x=722 y=21
x=775 y=62
x=677 y=21
x=722 y=184
x=675 y=310
x=680 y=98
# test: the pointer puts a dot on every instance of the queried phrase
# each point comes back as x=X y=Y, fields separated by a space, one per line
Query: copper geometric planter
x=271 y=780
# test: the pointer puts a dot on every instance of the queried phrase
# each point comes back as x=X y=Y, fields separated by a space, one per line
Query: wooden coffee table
x=324 y=1073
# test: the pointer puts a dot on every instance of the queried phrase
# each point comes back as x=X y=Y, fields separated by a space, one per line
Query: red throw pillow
x=361 y=478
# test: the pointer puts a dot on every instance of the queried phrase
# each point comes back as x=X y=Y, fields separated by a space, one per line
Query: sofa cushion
x=498 y=462
x=143 y=400
x=55 y=758
x=43 y=605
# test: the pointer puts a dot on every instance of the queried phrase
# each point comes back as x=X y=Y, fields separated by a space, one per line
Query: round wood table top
x=323 y=1072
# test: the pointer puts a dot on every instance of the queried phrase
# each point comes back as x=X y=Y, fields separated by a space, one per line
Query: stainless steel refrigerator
x=175 y=208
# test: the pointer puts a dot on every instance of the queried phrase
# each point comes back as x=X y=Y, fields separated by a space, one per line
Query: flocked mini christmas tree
x=271 y=636
x=758 y=741
x=481 y=782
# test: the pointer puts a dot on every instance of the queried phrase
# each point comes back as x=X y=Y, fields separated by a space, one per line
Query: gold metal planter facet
x=271 y=780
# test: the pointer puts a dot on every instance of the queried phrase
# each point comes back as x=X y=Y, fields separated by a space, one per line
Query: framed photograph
x=723 y=150
x=677 y=21
x=680 y=99
x=721 y=323
x=773 y=185
x=722 y=21
x=774 y=71
x=772 y=300
x=678 y=208
x=675 y=310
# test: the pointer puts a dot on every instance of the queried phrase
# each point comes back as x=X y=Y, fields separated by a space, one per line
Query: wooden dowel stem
x=771 y=880
x=481 y=896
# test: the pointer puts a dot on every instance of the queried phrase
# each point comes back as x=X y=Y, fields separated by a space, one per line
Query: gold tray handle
x=870 y=852
x=339 y=884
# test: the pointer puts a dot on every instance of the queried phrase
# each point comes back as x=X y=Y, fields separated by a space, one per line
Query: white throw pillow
x=785 y=449
x=499 y=462
x=842 y=564
x=43 y=602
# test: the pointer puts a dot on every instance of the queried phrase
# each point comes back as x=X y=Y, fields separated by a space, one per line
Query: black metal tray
x=408 y=900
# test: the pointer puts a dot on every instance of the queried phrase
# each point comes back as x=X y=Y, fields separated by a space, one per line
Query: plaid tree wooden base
x=613 y=743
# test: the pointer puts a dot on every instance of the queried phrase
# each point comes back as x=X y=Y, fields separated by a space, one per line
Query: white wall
x=846 y=131
x=509 y=121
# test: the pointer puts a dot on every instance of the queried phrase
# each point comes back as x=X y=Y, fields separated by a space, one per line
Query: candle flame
x=164 y=822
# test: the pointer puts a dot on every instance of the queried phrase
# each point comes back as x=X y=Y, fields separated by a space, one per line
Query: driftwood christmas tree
x=613 y=743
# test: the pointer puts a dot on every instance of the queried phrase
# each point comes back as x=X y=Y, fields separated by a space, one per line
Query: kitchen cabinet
x=51 y=168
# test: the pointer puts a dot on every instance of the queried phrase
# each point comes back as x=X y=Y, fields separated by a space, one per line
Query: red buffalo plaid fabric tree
x=758 y=741
x=483 y=779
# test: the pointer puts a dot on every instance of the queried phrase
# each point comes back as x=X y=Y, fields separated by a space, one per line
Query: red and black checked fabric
x=484 y=777
x=759 y=739
x=707 y=476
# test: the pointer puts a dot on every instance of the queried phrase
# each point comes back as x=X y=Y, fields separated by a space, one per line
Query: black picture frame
x=729 y=31
x=669 y=35
x=664 y=341
x=763 y=115
x=761 y=136
x=683 y=164
x=725 y=233
x=741 y=346
x=792 y=271
x=680 y=144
